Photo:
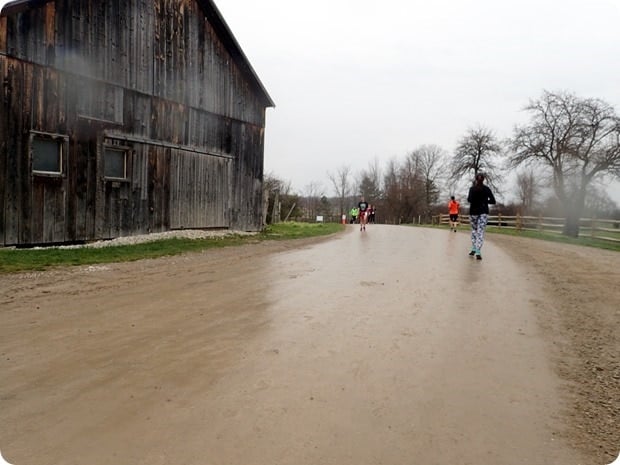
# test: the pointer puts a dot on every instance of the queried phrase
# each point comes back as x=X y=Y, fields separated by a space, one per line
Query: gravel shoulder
x=581 y=325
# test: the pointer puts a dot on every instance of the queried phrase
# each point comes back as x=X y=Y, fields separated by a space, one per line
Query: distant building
x=125 y=117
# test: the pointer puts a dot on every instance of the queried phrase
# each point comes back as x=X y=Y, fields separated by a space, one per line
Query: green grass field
x=540 y=235
x=555 y=237
x=19 y=260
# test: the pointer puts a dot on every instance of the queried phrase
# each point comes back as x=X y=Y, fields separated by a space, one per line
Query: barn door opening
x=199 y=190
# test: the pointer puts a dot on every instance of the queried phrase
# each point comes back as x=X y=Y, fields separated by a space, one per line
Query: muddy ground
x=385 y=347
x=582 y=321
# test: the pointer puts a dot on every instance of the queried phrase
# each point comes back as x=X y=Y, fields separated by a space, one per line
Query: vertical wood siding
x=190 y=207
x=151 y=75
x=4 y=136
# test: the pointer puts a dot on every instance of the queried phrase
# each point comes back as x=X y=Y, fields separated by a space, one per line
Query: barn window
x=47 y=153
x=115 y=163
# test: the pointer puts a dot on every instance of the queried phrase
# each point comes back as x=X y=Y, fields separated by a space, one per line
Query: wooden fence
x=608 y=230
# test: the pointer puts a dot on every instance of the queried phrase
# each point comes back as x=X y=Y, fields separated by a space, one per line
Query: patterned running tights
x=478 y=225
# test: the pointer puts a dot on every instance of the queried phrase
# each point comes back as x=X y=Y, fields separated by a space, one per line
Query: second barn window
x=115 y=163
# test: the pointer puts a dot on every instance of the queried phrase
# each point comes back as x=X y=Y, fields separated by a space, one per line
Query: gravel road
x=385 y=347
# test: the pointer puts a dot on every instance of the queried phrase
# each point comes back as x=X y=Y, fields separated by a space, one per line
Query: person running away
x=479 y=198
x=362 y=207
x=453 y=211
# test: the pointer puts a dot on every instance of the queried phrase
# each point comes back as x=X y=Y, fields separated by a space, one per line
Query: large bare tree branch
x=576 y=139
x=478 y=151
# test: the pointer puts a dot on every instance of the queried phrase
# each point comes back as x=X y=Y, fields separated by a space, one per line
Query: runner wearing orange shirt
x=453 y=211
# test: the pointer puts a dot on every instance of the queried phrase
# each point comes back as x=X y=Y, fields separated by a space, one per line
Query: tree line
x=557 y=159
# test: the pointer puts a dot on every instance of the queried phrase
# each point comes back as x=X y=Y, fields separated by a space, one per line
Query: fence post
x=593 y=227
x=499 y=220
x=518 y=224
x=540 y=223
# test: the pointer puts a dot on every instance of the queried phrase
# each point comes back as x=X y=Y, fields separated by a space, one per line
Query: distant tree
x=527 y=190
x=279 y=198
x=367 y=187
x=312 y=195
x=412 y=189
x=325 y=207
x=432 y=163
x=342 y=182
x=577 y=140
x=404 y=197
x=391 y=193
x=478 y=151
x=369 y=184
x=598 y=204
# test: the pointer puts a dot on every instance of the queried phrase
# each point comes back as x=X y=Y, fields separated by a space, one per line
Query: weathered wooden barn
x=125 y=117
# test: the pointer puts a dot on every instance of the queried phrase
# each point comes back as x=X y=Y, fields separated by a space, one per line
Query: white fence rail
x=608 y=230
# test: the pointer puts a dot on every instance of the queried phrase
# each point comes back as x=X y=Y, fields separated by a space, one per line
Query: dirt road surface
x=385 y=347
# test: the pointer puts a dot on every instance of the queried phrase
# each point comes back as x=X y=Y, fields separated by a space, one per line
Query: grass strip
x=540 y=235
x=39 y=259
x=555 y=237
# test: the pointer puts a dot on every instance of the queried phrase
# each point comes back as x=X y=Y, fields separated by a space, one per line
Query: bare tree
x=412 y=187
x=370 y=182
x=577 y=140
x=342 y=183
x=312 y=193
x=404 y=195
x=432 y=163
x=478 y=151
x=527 y=190
x=277 y=197
x=391 y=192
x=599 y=204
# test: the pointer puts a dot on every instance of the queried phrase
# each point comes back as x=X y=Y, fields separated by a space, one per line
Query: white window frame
x=63 y=144
x=117 y=148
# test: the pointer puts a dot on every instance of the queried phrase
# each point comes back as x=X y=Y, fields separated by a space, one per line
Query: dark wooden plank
x=38 y=214
x=49 y=213
x=4 y=141
x=139 y=183
x=101 y=228
x=14 y=148
x=24 y=156
x=3 y=34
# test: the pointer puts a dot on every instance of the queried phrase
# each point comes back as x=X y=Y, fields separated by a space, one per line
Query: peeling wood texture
x=161 y=85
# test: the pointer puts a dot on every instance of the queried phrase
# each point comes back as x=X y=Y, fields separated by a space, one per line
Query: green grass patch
x=540 y=235
x=294 y=230
x=555 y=237
x=20 y=260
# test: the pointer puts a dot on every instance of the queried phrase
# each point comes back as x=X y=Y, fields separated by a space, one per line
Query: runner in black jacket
x=479 y=198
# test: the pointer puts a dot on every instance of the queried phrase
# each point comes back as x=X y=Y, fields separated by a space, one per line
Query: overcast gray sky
x=359 y=80
x=355 y=80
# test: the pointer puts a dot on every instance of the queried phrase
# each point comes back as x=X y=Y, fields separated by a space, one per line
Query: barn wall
x=207 y=175
x=3 y=141
x=247 y=178
x=151 y=77
x=164 y=48
x=16 y=194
